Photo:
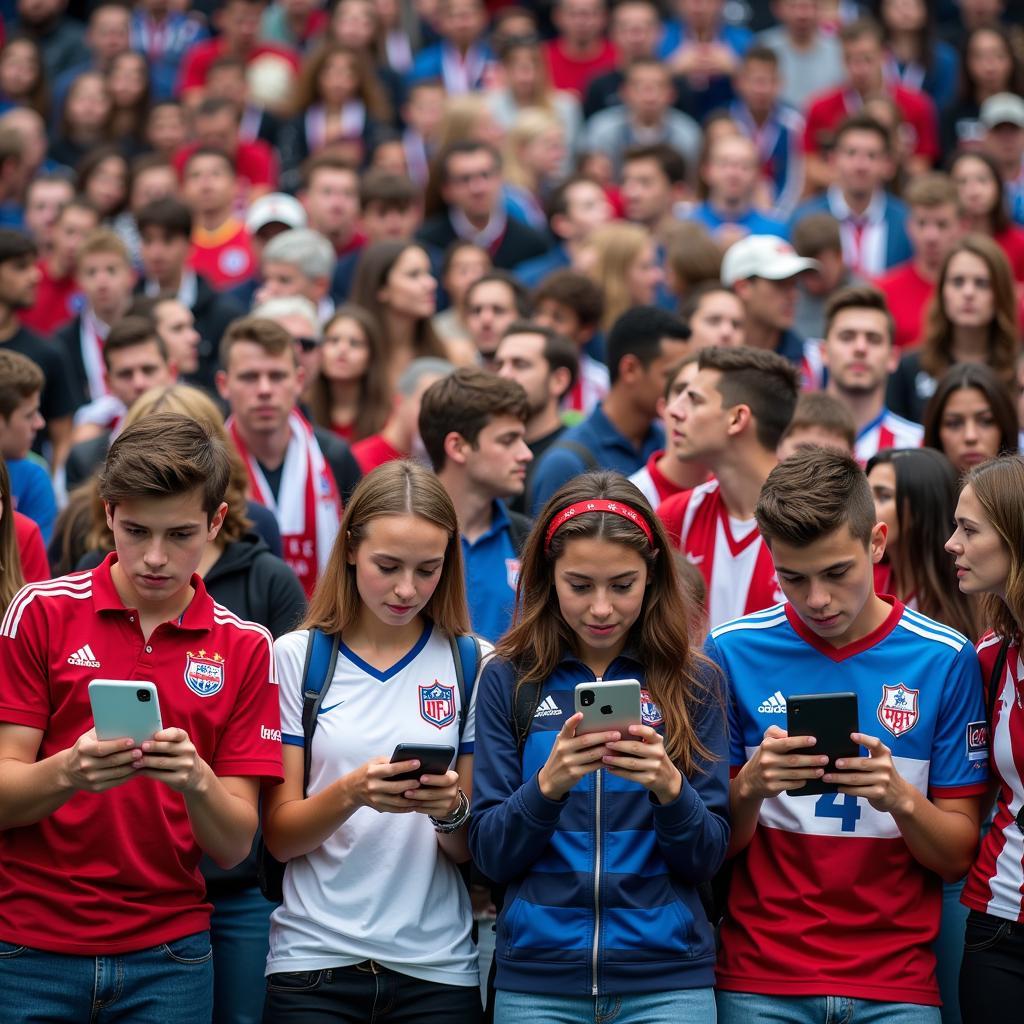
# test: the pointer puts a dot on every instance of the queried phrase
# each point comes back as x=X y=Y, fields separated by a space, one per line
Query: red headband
x=596 y=505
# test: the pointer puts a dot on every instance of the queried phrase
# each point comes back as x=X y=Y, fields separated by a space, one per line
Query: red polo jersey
x=118 y=871
x=58 y=301
x=907 y=295
x=224 y=256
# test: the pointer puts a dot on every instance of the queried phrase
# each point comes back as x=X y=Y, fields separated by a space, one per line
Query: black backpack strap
x=525 y=701
x=317 y=672
x=467 y=657
x=519 y=527
x=995 y=679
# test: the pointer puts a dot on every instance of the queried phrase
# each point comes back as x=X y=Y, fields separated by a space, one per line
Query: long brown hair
x=11 y=579
x=372 y=271
x=397 y=488
x=998 y=485
x=661 y=634
x=375 y=385
x=937 y=346
x=307 y=88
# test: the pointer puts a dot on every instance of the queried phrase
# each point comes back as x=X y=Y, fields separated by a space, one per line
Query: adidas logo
x=774 y=705
x=84 y=658
x=547 y=708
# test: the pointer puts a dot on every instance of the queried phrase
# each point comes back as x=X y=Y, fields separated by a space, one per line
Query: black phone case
x=829 y=718
x=434 y=759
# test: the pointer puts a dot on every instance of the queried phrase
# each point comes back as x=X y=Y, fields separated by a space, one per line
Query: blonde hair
x=395 y=489
x=615 y=248
x=529 y=125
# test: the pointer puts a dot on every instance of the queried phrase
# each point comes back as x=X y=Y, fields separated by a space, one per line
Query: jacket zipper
x=597 y=878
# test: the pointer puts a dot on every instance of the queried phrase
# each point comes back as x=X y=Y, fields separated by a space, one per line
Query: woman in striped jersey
x=988 y=546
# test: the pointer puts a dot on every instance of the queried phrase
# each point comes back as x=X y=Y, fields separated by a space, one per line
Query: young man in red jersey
x=730 y=418
x=103 y=907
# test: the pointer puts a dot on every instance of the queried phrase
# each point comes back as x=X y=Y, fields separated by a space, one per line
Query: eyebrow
x=396 y=558
x=828 y=568
x=964 y=521
x=618 y=576
x=145 y=526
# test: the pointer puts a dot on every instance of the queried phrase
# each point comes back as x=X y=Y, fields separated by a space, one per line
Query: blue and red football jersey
x=827 y=899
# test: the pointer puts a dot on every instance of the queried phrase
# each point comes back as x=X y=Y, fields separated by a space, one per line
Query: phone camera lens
x=587 y=698
x=606 y=709
x=143 y=695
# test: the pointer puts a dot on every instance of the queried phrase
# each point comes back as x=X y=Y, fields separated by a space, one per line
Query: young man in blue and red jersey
x=835 y=899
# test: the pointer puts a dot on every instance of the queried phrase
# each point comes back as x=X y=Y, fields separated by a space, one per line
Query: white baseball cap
x=275 y=208
x=1003 y=108
x=766 y=256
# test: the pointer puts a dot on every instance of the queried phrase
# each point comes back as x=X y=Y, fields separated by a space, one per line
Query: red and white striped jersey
x=735 y=563
x=996 y=882
x=886 y=430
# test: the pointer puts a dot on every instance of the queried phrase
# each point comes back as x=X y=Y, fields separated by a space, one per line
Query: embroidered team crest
x=233 y=261
x=437 y=704
x=898 y=709
x=650 y=713
x=512 y=572
x=204 y=673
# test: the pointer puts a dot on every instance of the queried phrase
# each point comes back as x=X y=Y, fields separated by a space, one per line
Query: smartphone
x=125 y=708
x=612 y=704
x=434 y=759
x=829 y=718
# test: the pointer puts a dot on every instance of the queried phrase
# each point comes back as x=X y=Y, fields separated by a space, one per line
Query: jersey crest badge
x=437 y=704
x=204 y=673
x=898 y=709
x=650 y=713
x=512 y=572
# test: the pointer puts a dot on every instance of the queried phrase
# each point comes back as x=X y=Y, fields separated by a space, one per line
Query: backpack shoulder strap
x=317 y=672
x=580 y=450
x=466 y=655
x=519 y=527
x=524 y=706
x=995 y=678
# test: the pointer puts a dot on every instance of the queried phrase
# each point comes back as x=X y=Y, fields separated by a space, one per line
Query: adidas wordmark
x=774 y=705
x=547 y=707
x=84 y=658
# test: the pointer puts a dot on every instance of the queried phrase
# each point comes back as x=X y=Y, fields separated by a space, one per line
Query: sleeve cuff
x=537 y=805
x=679 y=811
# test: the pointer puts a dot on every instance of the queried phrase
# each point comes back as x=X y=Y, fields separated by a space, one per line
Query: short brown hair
x=103 y=240
x=20 y=379
x=464 y=402
x=826 y=412
x=693 y=255
x=270 y=336
x=859 y=29
x=763 y=381
x=391 y=191
x=163 y=456
x=130 y=331
x=931 y=190
x=864 y=123
x=816 y=233
x=575 y=290
x=862 y=296
x=325 y=162
x=812 y=494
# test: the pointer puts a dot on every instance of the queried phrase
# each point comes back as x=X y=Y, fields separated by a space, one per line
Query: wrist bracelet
x=455 y=820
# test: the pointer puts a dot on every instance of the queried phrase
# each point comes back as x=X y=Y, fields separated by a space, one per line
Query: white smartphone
x=612 y=704
x=125 y=709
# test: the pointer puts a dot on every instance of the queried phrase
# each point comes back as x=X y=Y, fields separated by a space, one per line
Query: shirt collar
x=874 y=214
x=105 y=598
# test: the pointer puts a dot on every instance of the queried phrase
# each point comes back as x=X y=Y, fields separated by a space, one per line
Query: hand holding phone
x=434 y=759
x=830 y=718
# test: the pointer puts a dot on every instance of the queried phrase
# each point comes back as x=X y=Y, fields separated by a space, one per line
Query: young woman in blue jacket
x=601 y=839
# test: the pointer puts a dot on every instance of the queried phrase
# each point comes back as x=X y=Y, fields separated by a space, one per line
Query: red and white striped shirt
x=886 y=430
x=735 y=563
x=996 y=882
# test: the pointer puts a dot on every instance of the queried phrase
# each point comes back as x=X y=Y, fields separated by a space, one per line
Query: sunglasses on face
x=308 y=344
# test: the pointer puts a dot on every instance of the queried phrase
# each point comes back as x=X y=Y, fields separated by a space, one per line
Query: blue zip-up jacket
x=602 y=885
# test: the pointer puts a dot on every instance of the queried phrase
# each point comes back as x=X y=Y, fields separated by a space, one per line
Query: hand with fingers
x=93 y=765
x=775 y=766
x=373 y=785
x=874 y=777
x=573 y=757
x=437 y=795
x=170 y=757
x=643 y=759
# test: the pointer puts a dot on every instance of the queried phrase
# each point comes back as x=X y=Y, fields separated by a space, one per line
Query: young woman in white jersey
x=988 y=547
x=375 y=916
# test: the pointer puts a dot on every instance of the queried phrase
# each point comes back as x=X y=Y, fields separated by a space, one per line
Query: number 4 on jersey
x=848 y=811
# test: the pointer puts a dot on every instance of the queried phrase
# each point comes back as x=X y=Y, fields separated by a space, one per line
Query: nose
x=953 y=545
x=405 y=589
x=818 y=597
x=970 y=431
x=601 y=607
x=155 y=556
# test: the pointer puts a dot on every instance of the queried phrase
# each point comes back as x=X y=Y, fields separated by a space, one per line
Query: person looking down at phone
x=601 y=837
x=104 y=908
x=988 y=549
x=837 y=896
x=374 y=912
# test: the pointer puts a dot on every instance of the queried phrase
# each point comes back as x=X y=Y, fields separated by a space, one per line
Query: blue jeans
x=751 y=1008
x=681 y=1006
x=167 y=984
x=949 y=950
x=240 y=933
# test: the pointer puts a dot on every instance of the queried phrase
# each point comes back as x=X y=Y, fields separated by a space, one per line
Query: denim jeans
x=681 y=1006
x=751 y=1008
x=949 y=950
x=366 y=994
x=240 y=933
x=992 y=975
x=167 y=984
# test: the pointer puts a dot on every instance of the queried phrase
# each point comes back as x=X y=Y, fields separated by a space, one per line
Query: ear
x=894 y=358
x=558 y=382
x=877 y=543
x=455 y=448
x=300 y=376
x=629 y=367
x=319 y=288
x=740 y=419
x=560 y=225
x=221 y=380
x=660 y=406
x=217 y=521
x=108 y=511
x=742 y=290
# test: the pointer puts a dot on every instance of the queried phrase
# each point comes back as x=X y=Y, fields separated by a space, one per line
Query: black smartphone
x=829 y=718
x=434 y=759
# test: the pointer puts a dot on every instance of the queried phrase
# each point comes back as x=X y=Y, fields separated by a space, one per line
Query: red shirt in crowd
x=223 y=256
x=907 y=294
x=58 y=301
x=574 y=75
x=118 y=871
x=827 y=111
x=31 y=549
x=255 y=165
x=196 y=65
x=1011 y=241
x=374 y=451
